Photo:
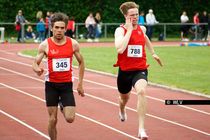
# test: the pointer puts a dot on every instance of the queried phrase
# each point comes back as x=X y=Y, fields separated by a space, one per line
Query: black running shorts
x=55 y=92
x=127 y=79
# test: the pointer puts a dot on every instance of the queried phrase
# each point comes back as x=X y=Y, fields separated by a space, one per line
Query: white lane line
x=6 y=52
x=82 y=116
x=112 y=87
x=150 y=97
x=24 y=124
x=98 y=98
x=153 y=116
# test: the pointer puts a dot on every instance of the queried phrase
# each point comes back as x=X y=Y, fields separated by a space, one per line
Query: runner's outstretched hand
x=156 y=57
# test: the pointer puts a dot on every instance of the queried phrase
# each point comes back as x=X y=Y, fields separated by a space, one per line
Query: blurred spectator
x=151 y=21
x=196 y=21
x=39 y=15
x=184 y=28
x=141 y=20
x=204 y=28
x=209 y=27
x=71 y=28
x=29 y=33
x=40 y=27
x=19 y=21
x=47 y=24
x=98 y=30
x=90 y=24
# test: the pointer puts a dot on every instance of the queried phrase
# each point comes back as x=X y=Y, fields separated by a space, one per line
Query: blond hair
x=126 y=6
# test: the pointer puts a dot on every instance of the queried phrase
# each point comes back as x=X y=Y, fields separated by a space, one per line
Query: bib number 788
x=134 y=51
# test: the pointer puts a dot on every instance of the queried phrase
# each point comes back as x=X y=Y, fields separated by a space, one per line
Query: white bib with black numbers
x=61 y=64
x=135 y=50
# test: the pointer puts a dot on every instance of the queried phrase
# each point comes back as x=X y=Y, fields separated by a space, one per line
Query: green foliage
x=165 y=10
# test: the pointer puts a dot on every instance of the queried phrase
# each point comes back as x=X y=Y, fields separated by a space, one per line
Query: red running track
x=23 y=114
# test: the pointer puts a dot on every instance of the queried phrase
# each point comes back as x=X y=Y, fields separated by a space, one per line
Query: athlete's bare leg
x=69 y=113
x=140 y=88
x=123 y=99
x=52 y=111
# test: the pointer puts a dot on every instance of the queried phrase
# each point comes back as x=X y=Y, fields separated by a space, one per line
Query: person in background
x=40 y=27
x=184 y=28
x=19 y=23
x=141 y=20
x=150 y=21
x=47 y=24
x=29 y=33
x=209 y=27
x=98 y=27
x=204 y=28
x=196 y=27
x=130 y=43
x=59 y=51
x=71 y=28
x=39 y=15
x=90 y=24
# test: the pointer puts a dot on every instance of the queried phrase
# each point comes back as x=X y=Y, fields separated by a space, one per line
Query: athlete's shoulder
x=75 y=44
x=120 y=30
x=143 y=28
x=43 y=44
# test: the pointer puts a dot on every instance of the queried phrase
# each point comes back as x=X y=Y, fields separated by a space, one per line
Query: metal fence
x=167 y=29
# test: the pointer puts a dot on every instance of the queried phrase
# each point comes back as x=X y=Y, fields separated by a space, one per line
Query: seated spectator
x=29 y=33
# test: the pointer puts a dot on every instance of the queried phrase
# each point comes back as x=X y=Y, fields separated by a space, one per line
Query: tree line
x=165 y=10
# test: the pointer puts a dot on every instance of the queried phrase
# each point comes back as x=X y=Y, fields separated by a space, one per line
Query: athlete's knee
x=141 y=92
x=70 y=119
x=124 y=98
x=53 y=121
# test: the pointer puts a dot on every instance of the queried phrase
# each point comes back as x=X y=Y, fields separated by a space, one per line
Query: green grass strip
x=184 y=67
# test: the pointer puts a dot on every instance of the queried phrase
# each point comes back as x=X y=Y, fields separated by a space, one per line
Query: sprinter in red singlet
x=59 y=50
x=130 y=42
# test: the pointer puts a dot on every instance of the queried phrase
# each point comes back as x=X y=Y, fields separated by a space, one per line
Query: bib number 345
x=61 y=64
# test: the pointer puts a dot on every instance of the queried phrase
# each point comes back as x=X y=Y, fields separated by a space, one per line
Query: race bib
x=61 y=64
x=135 y=51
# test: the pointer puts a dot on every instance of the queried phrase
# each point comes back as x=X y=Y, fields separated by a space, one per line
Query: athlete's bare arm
x=38 y=59
x=80 y=60
x=121 y=40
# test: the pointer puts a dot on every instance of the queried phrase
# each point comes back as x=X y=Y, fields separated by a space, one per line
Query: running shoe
x=123 y=116
x=142 y=135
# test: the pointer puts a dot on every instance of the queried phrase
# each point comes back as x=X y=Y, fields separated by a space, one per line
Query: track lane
x=104 y=95
x=18 y=82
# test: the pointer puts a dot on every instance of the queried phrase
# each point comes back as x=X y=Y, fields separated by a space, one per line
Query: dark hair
x=59 y=17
